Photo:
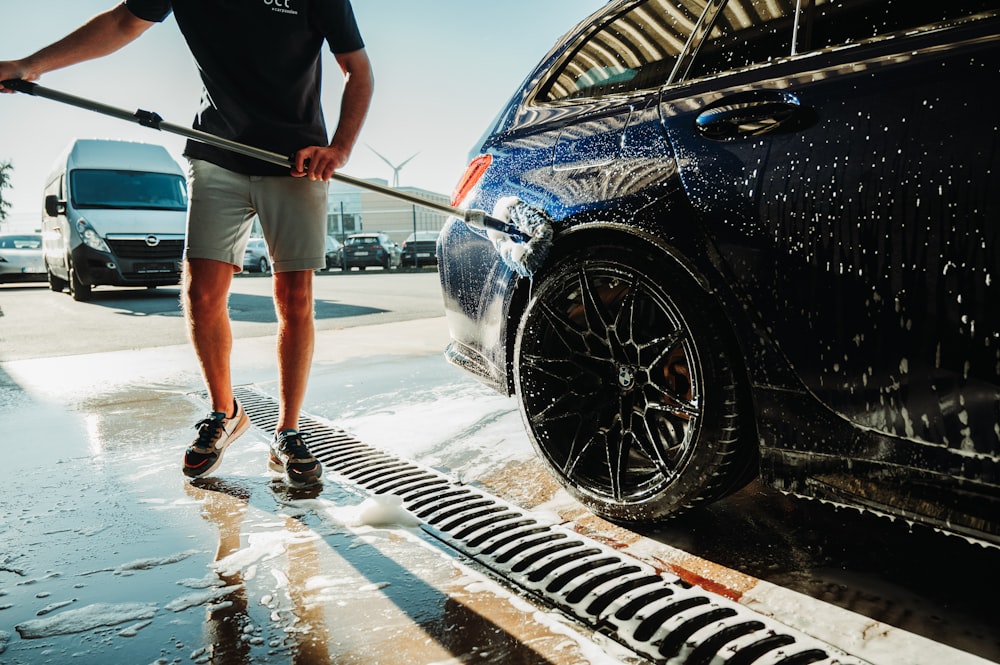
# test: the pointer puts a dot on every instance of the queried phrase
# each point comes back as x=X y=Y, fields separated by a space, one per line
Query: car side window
x=755 y=32
x=746 y=33
x=635 y=50
x=839 y=22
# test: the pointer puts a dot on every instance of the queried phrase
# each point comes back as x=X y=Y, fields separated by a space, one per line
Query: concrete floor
x=109 y=555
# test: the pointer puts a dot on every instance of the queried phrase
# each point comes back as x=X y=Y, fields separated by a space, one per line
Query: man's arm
x=103 y=34
x=359 y=86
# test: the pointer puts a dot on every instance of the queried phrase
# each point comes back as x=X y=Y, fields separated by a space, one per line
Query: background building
x=352 y=210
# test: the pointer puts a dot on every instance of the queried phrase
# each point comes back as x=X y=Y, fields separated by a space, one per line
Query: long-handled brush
x=522 y=249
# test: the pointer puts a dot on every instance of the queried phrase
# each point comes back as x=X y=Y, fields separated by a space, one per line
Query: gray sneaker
x=215 y=432
x=291 y=456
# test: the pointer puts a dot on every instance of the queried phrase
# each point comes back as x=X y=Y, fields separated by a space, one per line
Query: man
x=260 y=66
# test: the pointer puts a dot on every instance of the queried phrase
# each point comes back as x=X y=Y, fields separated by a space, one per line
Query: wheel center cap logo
x=626 y=377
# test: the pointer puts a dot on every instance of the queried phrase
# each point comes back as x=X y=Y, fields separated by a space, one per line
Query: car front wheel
x=627 y=385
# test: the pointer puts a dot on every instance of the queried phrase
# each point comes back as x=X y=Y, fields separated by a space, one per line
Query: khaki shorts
x=223 y=205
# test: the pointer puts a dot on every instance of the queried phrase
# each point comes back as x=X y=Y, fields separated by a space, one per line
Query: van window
x=100 y=188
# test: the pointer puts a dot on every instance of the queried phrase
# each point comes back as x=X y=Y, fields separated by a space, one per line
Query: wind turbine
x=395 y=168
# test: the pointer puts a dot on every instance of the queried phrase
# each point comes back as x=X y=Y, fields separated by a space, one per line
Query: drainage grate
x=652 y=613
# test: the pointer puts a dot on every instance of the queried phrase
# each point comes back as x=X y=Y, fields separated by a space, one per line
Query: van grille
x=136 y=248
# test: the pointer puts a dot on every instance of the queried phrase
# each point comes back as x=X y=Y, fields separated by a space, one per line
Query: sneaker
x=290 y=456
x=215 y=432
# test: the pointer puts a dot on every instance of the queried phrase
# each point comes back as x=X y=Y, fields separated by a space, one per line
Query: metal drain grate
x=652 y=613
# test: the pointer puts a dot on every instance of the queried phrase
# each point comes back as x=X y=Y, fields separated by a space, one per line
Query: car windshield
x=20 y=242
x=362 y=240
x=102 y=188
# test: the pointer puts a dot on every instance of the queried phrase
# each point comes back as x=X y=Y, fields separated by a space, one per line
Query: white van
x=114 y=215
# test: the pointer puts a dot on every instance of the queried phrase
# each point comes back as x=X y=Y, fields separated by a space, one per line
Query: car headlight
x=91 y=238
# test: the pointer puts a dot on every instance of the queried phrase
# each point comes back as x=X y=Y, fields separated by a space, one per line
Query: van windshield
x=102 y=188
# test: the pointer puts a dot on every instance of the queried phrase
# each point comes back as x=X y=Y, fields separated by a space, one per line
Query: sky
x=443 y=70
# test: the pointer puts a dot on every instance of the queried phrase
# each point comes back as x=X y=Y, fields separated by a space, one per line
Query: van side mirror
x=53 y=206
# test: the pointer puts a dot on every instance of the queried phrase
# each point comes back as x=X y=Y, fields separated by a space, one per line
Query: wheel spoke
x=624 y=342
x=616 y=451
x=664 y=447
x=661 y=348
x=573 y=340
x=592 y=308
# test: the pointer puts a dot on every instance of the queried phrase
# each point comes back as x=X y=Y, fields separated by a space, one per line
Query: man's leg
x=292 y=214
x=206 y=294
x=293 y=303
x=206 y=291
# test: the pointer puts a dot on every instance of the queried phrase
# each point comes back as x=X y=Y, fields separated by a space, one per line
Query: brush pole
x=151 y=119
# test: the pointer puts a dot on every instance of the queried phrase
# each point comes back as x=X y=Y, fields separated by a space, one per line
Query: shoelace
x=208 y=431
x=294 y=446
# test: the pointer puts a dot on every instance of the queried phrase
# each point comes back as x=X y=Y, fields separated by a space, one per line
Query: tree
x=6 y=168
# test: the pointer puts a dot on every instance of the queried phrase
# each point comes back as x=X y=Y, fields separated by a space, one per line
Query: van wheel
x=57 y=284
x=81 y=292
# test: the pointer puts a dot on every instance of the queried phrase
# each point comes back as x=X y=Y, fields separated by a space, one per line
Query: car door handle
x=752 y=113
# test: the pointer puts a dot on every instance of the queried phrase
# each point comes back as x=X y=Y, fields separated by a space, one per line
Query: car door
x=850 y=189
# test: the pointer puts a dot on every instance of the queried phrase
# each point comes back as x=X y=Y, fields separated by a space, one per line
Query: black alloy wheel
x=626 y=385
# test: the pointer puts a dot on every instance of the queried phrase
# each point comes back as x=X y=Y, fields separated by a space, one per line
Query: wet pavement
x=109 y=556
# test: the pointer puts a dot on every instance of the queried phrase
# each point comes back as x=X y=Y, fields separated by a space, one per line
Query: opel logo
x=152 y=241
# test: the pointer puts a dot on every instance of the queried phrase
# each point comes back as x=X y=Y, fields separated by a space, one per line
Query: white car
x=256 y=257
x=21 y=258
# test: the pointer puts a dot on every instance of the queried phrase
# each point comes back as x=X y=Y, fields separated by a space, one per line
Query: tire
x=263 y=266
x=57 y=284
x=627 y=386
x=81 y=292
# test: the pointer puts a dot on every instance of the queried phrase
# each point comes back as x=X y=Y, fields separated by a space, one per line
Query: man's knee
x=293 y=297
x=206 y=284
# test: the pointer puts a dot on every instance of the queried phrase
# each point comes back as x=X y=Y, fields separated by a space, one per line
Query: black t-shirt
x=259 y=62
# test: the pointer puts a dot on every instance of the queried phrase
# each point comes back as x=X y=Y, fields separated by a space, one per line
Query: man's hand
x=13 y=70
x=319 y=162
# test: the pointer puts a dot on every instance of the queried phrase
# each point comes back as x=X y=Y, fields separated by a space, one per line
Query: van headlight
x=90 y=237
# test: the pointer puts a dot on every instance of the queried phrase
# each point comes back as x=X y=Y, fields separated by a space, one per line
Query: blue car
x=775 y=253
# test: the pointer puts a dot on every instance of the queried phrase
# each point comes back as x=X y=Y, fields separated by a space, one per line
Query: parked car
x=334 y=254
x=775 y=253
x=256 y=257
x=21 y=258
x=362 y=250
x=419 y=249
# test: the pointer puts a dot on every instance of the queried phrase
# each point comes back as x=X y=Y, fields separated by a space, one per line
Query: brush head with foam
x=522 y=257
